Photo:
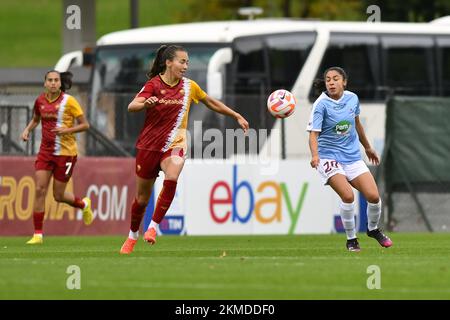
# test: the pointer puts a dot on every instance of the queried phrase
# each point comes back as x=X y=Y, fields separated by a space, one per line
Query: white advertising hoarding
x=233 y=198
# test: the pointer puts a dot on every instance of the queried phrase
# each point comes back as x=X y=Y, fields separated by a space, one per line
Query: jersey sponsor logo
x=170 y=101
x=49 y=115
x=342 y=127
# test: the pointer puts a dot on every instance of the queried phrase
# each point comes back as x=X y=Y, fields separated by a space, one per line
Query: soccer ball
x=281 y=103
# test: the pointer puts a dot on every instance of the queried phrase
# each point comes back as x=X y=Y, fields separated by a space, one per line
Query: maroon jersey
x=166 y=122
x=60 y=112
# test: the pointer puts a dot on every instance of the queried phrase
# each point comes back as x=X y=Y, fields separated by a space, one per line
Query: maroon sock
x=78 y=203
x=164 y=200
x=137 y=212
x=38 y=221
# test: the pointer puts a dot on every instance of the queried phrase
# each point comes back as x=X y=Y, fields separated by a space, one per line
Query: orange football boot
x=150 y=236
x=128 y=246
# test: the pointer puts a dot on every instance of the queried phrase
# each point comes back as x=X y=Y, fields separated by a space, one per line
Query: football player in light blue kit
x=335 y=132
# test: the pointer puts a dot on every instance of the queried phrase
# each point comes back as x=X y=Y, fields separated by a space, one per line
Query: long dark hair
x=319 y=84
x=65 y=77
x=162 y=54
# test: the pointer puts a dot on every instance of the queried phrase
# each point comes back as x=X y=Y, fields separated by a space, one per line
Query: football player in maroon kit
x=161 y=145
x=61 y=117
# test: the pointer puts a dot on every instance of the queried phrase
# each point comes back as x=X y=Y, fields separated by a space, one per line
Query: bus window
x=249 y=67
x=247 y=84
x=250 y=55
x=443 y=51
x=250 y=76
x=409 y=69
x=287 y=54
x=358 y=55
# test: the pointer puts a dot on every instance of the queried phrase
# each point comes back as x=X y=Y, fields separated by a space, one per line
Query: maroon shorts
x=148 y=163
x=61 y=166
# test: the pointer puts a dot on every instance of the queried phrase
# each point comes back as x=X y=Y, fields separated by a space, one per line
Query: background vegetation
x=30 y=30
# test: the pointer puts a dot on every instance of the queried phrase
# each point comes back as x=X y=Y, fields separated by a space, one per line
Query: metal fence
x=13 y=120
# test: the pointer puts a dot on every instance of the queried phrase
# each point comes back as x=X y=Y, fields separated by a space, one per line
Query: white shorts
x=329 y=167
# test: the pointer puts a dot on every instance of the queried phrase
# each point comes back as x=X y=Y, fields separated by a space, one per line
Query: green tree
x=411 y=10
x=332 y=10
x=315 y=9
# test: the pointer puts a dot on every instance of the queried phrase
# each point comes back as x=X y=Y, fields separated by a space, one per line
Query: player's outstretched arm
x=141 y=103
x=220 y=107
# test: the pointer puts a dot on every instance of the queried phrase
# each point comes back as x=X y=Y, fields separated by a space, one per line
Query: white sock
x=40 y=235
x=85 y=204
x=347 y=212
x=153 y=224
x=373 y=214
x=133 y=235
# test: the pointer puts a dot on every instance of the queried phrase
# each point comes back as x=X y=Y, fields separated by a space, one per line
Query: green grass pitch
x=227 y=267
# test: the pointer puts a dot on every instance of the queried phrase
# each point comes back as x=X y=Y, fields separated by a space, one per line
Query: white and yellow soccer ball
x=281 y=103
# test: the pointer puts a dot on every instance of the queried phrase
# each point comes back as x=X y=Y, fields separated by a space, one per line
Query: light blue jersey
x=335 y=120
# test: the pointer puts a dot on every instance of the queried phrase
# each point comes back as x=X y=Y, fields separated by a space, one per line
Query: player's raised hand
x=150 y=102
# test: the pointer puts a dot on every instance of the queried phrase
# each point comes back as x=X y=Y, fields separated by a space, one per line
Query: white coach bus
x=241 y=62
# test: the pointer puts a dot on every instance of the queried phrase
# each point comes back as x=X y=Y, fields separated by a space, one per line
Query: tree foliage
x=411 y=10
x=405 y=10
x=306 y=9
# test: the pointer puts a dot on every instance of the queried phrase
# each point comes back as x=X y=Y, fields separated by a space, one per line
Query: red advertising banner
x=108 y=182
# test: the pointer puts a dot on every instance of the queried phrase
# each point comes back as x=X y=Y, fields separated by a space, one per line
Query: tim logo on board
x=173 y=222
x=172 y=225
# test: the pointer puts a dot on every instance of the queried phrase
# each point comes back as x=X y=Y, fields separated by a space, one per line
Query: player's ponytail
x=65 y=78
x=162 y=54
x=319 y=87
x=159 y=65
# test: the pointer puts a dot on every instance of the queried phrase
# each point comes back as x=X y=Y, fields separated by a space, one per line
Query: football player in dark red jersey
x=161 y=145
x=58 y=112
